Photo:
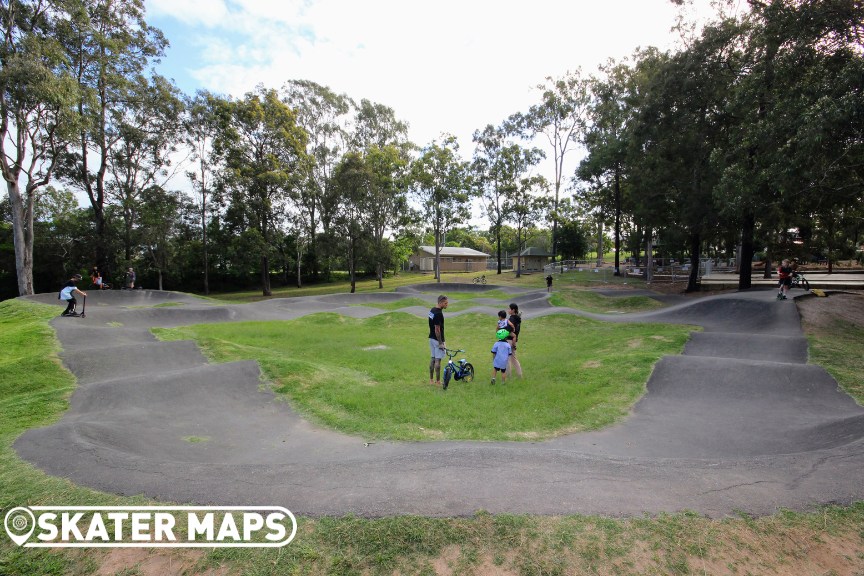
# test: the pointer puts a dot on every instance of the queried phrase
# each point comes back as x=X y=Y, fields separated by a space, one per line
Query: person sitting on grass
x=501 y=351
x=68 y=293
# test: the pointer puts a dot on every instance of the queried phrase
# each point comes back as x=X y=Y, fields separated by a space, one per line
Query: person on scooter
x=68 y=293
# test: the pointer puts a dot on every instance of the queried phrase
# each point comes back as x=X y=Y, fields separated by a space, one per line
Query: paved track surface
x=738 y=422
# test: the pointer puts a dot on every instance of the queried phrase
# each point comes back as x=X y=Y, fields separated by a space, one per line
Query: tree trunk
x=351 y=269
x=127 y=234
x=746 y=265
x=265 y=276
x=599 y=243
x=695 y=245
x=380 y=275
x=299 y=256
x=437 y=252
x=22 y=235
x=519 y=253
x=204 y=238
x=498 y=237
x=101 y=238
x=649 y=257
x=617 y=220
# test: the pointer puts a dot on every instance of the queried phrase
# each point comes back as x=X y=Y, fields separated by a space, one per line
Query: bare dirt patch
x=819 y=314
x=143 y=562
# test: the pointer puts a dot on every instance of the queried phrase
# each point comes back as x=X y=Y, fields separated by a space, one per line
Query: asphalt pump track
x=738 y=422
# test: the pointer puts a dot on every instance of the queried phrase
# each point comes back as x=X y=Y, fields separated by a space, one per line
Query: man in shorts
x=436 y=339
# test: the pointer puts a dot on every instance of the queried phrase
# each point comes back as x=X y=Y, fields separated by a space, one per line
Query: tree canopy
x=745 y=141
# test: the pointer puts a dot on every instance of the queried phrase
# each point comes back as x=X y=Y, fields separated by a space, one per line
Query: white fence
x=663 y=270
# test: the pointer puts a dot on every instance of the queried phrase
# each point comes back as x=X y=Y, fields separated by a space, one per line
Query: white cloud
x=445 y=66
x=208 y=13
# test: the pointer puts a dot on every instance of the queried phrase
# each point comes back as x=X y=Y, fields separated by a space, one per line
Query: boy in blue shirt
x=501 y=352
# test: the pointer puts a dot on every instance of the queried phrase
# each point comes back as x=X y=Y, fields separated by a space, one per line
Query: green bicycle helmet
x=502 y=334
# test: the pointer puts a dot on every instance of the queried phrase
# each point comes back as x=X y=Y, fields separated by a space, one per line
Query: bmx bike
x=799 y=281
x=480 y=279
x=463 y=370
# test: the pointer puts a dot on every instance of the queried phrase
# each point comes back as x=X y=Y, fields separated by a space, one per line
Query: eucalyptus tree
x=381 y=139
x=605 y=141
x=201 y=124
x=109 y=47
x=560 y=117
x=795 y=101
x=681 y=122
x=37 y=115
x=352 y=180
x=148 y=128
x=525 y=205
x=829 y=194
x=442 y=184
x=387 y=207
x=326 y=117
x=817 y=116
x=648 y=187
x=376 y=125
x=160 y=216
x=498 y=167
x=264 y=153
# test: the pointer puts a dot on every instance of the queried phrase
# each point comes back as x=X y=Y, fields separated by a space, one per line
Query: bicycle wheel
x=447 y=374
x=468 y=373
x=483 y=280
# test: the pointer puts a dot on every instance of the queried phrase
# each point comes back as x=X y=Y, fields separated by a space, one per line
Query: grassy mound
x=370 y=377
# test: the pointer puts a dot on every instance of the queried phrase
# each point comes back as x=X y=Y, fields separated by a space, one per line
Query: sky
x=449 y=66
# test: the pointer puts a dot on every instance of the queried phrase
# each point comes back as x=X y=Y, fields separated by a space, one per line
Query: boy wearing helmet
x=501 y=351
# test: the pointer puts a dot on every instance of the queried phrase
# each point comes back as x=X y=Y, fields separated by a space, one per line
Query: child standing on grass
x=501 y=351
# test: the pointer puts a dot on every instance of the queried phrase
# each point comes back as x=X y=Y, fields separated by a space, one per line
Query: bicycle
x=480 y=279
x=799 y=281
x=463 y=371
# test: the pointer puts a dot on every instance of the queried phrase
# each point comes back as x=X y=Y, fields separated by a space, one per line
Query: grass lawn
x=843 y=341
x=525 y=281
x=458 y=300
x=34 y=389
x=370 y=377
x=594 y=302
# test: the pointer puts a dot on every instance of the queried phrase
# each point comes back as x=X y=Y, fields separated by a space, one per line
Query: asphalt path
x=738 y=422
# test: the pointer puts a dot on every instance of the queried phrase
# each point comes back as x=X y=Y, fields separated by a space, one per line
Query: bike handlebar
x=454 y=352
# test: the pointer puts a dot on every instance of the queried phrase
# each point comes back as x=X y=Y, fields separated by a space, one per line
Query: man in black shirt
x=436 y=339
